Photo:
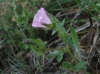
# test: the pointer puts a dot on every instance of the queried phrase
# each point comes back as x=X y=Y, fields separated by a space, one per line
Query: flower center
x=40 y=18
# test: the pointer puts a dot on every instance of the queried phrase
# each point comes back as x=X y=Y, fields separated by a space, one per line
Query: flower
x=40 y=19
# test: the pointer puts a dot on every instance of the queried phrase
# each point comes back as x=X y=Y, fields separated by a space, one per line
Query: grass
x=19 y=39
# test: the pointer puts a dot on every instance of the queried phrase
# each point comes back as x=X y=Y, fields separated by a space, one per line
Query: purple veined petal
x=42 y=17
x=37 y=24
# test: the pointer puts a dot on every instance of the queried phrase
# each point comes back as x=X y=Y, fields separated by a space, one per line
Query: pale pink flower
x=41 y=18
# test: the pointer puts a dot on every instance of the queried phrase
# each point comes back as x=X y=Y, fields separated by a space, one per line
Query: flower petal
x=42 y=17
x=37 y=24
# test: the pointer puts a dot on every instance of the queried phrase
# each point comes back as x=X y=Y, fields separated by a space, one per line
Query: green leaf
x=24 y=13
x=98 y=4
x=61 y=31
x=52 y=18
x=80 y=65
x=20 y=20
x=74 y=36
x=54 y=31
x=59 y=54
x=38 y=45
x=67 y=65
x=3 y=0
x=76 y=43
x=54 y=21
x=23 y=46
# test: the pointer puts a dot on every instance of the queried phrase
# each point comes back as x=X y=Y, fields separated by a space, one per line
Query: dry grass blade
x=91 y=32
